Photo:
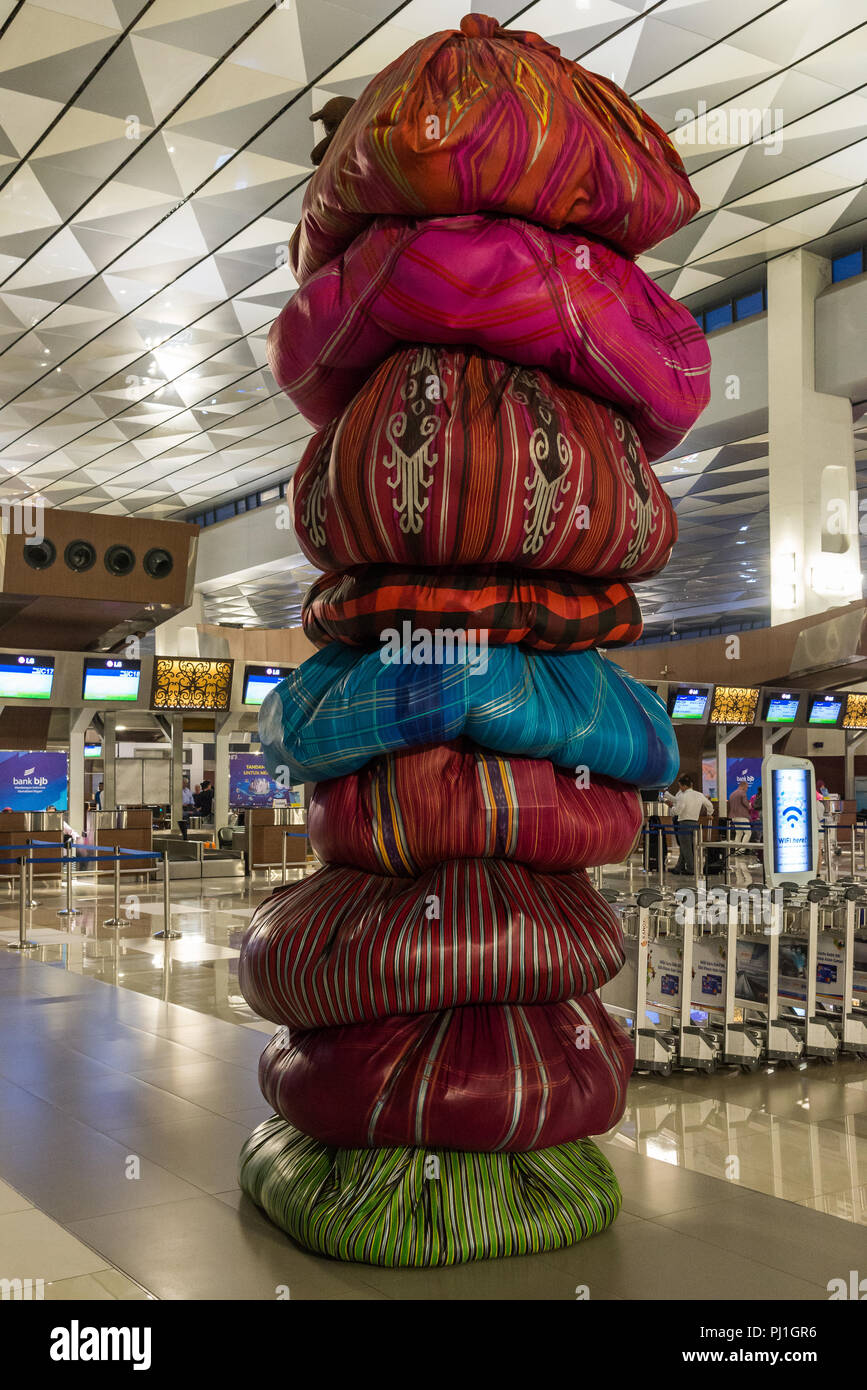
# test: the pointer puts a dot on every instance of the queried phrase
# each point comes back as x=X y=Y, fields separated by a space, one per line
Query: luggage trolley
x=823 y=1035
x=854 y=1039
x=656 y=1048
x=701 y=1048
x=785 y=1041
x=744 y=1038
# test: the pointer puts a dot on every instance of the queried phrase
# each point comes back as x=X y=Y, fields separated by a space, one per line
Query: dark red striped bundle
x=549 y=612
x=408 y=811
x=449 y=458
x=344 y=946
x=508 y=1077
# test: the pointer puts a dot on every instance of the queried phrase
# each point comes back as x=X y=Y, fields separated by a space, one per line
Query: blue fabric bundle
x=342 y=707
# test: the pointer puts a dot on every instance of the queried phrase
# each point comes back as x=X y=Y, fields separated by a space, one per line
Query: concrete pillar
x=815 y=561
x=79 y=723
x=109 y=760
x=222 y=733
x=177 y=728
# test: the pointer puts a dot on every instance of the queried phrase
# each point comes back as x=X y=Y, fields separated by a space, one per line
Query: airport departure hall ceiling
x=153 y=158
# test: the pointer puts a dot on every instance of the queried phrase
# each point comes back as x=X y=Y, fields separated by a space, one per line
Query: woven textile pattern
x=482 y=1078
x=345 y=946
x=548 y=612
x=450 y=458
x=341 y=708
x=493 y=120
x=409 y=811
x=576 y=308
x=381 y=1207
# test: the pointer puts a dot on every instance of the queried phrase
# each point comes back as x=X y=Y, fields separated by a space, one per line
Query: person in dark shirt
x=205 y=800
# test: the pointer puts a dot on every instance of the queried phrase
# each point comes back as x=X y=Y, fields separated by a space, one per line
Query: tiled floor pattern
x=123 y=1108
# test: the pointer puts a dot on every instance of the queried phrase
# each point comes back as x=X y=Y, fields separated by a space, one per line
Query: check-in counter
x=264 y=826
x=126 y=829
x=22 y=828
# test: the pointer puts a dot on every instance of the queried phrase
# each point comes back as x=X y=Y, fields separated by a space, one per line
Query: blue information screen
x=825 y=711
x=783 y=709
x=793 y=848
x=259 y=681
x=689 y=703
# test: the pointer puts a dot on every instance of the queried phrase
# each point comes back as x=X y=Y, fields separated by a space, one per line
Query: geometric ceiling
x=153 y=158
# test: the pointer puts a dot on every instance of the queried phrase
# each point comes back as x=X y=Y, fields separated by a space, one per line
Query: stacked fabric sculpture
x=490 y=374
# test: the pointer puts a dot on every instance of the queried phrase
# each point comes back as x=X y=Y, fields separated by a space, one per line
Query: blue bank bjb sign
x=33 y=781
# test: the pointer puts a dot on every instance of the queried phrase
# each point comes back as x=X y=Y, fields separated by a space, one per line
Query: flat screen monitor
x=93 y=750
x=792 y=807
x=734 y=704
x=259 y=681
x=110 y=678
x=689 y=702
x=781 y=706
x=855 y=714
x=824 y=709
x=25 y=677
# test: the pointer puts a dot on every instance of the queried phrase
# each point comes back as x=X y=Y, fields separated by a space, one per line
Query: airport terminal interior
x=433 y=650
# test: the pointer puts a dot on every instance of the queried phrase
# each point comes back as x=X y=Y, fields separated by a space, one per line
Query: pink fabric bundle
x=450 y=458
x=576 y=308
x=484 y=1078
x=494 y=120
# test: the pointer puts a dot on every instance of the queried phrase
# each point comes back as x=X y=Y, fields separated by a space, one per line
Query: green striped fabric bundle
x=427 y=1207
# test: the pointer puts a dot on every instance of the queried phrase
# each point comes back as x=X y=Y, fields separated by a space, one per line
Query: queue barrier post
x=283 y=874
x=31 y=901
x=167 y=934
x=115 y=920
x=69 y=910
x=22 y=944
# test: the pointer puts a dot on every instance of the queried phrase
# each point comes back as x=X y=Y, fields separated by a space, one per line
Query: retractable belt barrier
x=108 y=855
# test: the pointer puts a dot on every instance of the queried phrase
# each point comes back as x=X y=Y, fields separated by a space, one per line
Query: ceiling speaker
x=119 y=560
x=39 y=555
x=80 y=556
x=158 y=563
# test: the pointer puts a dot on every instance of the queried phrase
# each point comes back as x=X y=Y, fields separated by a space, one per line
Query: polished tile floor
x=128 y=1084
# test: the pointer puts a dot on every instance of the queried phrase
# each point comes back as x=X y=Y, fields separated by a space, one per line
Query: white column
x=177 y=727
x=109 y=760
x=79 y=723
x=815 y=561
x=222 y=734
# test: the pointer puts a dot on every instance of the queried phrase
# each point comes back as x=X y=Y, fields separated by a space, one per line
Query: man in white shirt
x=687 y=805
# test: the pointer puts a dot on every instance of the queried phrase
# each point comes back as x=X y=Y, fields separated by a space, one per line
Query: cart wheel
x=829 y=1061
x=711 y=1066
x=750 y=1067
x=664 y=1069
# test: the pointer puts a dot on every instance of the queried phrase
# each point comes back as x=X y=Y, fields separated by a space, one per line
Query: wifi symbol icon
x=791 y=815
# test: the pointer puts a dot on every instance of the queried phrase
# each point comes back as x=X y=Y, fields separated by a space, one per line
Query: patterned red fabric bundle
x=494 y=120
x=345 y=946
x=549 y=612
x=508 y=1077
x=408 y=811
x=451 y=458
x=577 y=309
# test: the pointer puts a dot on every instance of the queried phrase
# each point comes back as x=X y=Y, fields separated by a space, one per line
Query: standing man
x=187 y=806
x=688 y=806
x=97 y=796
x=739 y=814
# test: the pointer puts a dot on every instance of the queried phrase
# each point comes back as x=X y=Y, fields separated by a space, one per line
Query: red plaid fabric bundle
x=549 y=612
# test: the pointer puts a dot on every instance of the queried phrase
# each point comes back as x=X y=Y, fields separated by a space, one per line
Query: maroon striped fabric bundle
x=508 y=1077
x=345 y=946
x=496 y=120
x=549 y=612
x=514 y=290
x=451 y=458
x=408 y=811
